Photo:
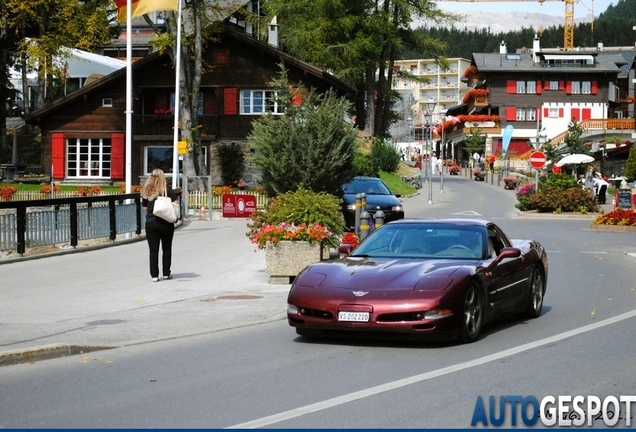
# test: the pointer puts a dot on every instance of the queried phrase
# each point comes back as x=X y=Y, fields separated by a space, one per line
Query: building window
x=576 y=87
x=553 y=112
x=161 y=157
x=260 y=102
x=88 y=157
x=521 y=86
x=554 y=85
x=107 y=102
x=586 y=87
x=531 y=87
x=531 y=114
x=521 y=114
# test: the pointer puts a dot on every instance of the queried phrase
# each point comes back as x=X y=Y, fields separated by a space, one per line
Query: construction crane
x=568 y=35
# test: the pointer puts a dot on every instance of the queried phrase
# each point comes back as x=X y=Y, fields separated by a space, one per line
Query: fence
x=195 y=199
x=58 y=220
x=30 y=219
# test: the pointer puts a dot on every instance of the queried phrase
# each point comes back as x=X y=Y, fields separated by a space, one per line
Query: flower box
x=479 y=175
x=510 y=183
x=285 y=259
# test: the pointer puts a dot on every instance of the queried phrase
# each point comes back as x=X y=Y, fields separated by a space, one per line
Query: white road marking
x=329 y=403
x=467 y=213
x=631 y=254
x=593 y=252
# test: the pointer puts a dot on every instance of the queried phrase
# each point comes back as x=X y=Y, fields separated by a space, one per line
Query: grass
x=396 y=184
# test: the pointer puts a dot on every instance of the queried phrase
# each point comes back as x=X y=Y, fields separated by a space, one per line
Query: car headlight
x=437 y=314
x=351 y=207
x=397 y=208
x=291 y=309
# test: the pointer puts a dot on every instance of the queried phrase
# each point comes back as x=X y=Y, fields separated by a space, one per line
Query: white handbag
x=165 y=208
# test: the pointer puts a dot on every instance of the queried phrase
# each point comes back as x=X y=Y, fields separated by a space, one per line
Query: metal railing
x=58 y=220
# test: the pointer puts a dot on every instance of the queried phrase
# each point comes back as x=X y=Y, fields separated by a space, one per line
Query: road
x=265 y=376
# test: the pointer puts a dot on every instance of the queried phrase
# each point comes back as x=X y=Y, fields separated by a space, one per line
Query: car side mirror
x=345 y=249
x=507 y=252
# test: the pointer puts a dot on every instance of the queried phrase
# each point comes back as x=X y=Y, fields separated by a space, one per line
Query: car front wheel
x=473 y=314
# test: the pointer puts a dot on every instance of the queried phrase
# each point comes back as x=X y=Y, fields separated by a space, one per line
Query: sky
x=582 y=8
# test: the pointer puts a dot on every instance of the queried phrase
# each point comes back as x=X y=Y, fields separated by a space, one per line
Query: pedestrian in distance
x=589 y=180
x=159 y=232
x=600 y=185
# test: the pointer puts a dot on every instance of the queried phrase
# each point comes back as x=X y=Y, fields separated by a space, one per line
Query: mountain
x=504 y=22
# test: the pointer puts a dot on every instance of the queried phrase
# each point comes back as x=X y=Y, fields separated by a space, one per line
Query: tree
x=574 y=139
x=201 y=25
x=359 y=42
x=310 y=145
x=475 y=142
x=630 y=165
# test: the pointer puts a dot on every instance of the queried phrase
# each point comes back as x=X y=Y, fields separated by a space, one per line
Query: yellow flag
x=140 y=7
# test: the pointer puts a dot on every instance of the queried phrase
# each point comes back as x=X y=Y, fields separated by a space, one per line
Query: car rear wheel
x=473 y=314
x=535 y=297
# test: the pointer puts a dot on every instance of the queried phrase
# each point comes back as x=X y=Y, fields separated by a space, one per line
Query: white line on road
x=329 y=403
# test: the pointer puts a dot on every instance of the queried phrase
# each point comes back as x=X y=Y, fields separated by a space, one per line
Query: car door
x=509 y=276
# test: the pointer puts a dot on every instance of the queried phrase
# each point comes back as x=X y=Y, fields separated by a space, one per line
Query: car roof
x=452 y=221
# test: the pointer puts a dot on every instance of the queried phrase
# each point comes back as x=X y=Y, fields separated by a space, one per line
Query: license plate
x=353 y=316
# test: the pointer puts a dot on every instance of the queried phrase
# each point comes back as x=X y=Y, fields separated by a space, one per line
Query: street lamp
x=430 y=105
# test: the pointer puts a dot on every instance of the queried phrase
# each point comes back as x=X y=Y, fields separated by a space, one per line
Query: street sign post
x=537 y=159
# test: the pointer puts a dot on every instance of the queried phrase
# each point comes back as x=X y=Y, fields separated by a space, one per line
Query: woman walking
x=159 y=232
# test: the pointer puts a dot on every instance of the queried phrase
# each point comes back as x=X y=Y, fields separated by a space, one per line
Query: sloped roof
x=524 y=63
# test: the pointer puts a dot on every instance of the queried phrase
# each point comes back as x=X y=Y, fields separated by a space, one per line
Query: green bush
x=553 y=199
x=231 y=161
x=384 y=157
x=300 y=206
x=363 y=165
x=560 y=181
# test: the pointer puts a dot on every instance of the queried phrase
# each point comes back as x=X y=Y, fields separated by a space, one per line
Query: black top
x=150 y=205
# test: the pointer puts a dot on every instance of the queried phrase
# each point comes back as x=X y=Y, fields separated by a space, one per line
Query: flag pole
x=175 y=144
x=128 y=96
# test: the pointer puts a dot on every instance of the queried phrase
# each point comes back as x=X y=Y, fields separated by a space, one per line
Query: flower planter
x=285 y=259
x=480 y=177
x=510 y=184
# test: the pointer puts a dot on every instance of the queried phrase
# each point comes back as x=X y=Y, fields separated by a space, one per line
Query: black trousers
x=601 y=194
x=159 y=233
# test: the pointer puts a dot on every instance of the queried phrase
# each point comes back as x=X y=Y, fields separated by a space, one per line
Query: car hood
x=375 y=200
x=371 y=273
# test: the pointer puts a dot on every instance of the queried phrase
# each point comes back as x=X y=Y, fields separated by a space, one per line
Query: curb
x=45 y=352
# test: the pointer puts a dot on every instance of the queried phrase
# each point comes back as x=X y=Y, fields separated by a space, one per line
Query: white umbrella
x=575 y=159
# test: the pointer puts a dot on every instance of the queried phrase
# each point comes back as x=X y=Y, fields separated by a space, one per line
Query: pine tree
x=630 y=165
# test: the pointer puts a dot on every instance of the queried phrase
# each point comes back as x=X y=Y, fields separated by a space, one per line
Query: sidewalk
x=79 y=302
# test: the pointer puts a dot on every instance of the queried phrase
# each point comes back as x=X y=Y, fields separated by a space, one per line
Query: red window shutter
x=560 y=112
x=58 y=155
x=568 y=87
x=297 y=97
x=576 y=114
x=117 y=156
x=594 y=87
x=539 y=87
x=511 y=113
x=561 y=85
x=511 y=86
x=546 y=112
x=230 y=105
x=546 y=84
x=538 y=114
x=586 y=114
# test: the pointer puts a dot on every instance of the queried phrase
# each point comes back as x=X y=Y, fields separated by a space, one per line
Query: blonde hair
x=154 y=185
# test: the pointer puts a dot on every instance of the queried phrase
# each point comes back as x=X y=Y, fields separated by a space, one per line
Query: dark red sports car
x=421 y=277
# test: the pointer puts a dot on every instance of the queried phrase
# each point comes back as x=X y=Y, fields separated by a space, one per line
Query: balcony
x=164 y=124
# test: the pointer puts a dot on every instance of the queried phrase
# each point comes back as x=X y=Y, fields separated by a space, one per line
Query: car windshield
x=424 y=240
x=368 y=186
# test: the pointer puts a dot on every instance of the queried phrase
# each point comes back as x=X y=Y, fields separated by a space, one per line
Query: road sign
x=537 y=160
